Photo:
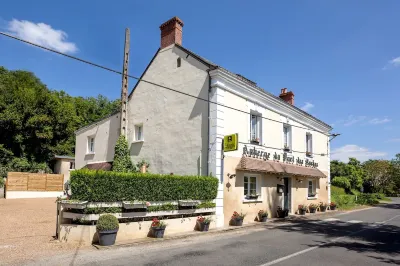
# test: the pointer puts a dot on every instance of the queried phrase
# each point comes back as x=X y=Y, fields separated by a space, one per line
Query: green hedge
x=112 y=186
x=367 y=199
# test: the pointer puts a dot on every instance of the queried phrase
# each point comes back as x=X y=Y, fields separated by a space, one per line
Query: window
x=71 y=165
x=308 y=144
x=250 y=186
x=90 y=145
x=312 y=188
x=139 y=133
x=178 y=62
x=255 y=128
x=287 y=138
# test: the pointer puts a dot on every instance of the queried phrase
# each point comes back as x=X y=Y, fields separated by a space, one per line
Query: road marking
x=354 y=222
x=323 y=244
x=331 y=220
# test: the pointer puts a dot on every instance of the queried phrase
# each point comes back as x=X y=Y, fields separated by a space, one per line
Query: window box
x=287 y=149
x=188 y=203
x=135 y=204
x=73 y=204
x=252 y=197
x=255 y=141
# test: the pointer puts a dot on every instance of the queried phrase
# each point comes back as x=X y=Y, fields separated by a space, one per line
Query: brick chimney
x=171 y=32
x=287 y=96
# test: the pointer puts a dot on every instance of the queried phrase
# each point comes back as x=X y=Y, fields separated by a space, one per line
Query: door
x=286 y=194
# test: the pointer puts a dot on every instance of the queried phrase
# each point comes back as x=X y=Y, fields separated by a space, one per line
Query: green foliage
x=107 y=222
x=337 y=191
x=378 y=175
x=367 y=199
x=164 y=207
x=1 y=182
x=344 y=200
x=37 y=123
x=122 y=160
x=113 y=186
x=98 y=210
x=206 y=205
x=342 y=182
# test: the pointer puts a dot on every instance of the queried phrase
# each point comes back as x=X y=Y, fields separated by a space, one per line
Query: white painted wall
x=175 y=126
x=106 y=133
x=33 y=194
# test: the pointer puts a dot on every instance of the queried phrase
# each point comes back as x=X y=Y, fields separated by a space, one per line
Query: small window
x=255 y=128
x=71 y=165
x=139 y=132
x=308 y=144
x=312 y=188
x=251 y=188
x=178 y=62
x=287 y=141
x=90 y=145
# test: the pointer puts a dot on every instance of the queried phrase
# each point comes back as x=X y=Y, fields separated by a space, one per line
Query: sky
x=340 y=58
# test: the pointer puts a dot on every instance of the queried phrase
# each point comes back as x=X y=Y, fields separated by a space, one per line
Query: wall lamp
x=231 y=176
x=299 y=180
x=332 y=136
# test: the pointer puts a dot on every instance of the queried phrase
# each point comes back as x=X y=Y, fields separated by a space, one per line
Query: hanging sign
x=231 y=142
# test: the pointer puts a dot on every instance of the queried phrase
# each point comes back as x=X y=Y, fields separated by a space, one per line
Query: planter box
x=203 y=227
x=188 y=203
x=302 y=212
x=134 y=205
x=313 y=210
x=74 y=204
x=252 y=197
x=158 y=232
x=237 y=222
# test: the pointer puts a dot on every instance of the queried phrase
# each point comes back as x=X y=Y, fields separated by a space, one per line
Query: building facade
x=181 y=109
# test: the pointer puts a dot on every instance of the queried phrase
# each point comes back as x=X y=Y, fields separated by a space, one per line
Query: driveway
x=27 y=230
x=364 y=237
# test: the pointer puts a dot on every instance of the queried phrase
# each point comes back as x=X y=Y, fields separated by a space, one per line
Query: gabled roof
x=248 y=81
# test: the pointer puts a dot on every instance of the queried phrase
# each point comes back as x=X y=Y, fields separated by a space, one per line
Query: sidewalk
x=271 y=223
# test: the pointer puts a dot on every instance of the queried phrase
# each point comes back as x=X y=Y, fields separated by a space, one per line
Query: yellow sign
x=231 y=142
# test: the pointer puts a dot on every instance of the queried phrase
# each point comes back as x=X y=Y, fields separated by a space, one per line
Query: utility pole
x=124 y=89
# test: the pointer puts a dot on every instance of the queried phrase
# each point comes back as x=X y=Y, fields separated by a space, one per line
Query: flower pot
x=262 y=219
x=322 y=208
x=282 y=213
x=333 y=208
x=313 y=210
x=107 y=238
x=203 y=227
x=237 y=222
x=302 y=212
x=158 y=232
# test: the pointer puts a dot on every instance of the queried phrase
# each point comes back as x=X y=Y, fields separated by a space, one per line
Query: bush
x=107 y=222
x=1 y=182
x=341 y=181
x=344 y=200
x=367 y=199
x=112 y=186
x=122 y=161
x=337 y=191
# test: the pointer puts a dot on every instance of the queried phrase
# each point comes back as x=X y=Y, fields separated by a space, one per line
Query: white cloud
x=307 y=107
x=376 y=121
x=351 y=120
x=42 y=34
x=362 y=154
x=395 y=62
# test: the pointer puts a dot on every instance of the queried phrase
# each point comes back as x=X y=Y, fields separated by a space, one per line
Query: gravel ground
x=27 y=230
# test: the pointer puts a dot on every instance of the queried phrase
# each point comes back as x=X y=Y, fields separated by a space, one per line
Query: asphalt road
x=367 y=237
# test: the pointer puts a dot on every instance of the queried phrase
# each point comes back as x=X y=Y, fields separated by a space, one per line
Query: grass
x=354 y=199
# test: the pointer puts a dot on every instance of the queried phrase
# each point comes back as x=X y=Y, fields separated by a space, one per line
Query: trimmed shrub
x=341 y=181
x=113 y=186
x=367 y=199
x=107 y=222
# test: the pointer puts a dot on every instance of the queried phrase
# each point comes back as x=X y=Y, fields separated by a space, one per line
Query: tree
x=122 y=160
x=356 y=173
x=379 y=175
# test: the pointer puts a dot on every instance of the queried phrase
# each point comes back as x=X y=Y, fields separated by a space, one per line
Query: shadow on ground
x=361 y=237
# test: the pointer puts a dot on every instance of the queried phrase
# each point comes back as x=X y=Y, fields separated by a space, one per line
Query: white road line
x=320 y=245
x=354 y=222
x=331 y=220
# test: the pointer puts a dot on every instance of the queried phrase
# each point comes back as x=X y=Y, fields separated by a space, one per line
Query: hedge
x=108 y=186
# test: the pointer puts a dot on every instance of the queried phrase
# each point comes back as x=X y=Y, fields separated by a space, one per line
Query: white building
x=183 y=133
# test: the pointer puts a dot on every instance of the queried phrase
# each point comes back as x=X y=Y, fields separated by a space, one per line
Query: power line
x=153 y=83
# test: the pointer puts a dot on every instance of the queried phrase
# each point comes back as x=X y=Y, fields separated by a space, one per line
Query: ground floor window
x=312 y=191
x=252 y=187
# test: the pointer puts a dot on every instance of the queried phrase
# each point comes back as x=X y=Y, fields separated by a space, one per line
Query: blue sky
x=340 y=58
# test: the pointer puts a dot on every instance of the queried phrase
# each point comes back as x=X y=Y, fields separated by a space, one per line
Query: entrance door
x=286 y=194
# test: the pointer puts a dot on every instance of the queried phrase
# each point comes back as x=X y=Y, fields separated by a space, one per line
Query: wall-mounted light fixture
x=231 y=176
x=299 y=180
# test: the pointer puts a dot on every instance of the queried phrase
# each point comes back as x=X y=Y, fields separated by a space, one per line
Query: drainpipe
x=208 y=121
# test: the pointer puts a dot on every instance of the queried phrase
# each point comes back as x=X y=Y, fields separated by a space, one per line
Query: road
x=366 y=237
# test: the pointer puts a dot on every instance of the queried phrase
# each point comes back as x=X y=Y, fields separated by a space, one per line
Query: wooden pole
x=124 y=89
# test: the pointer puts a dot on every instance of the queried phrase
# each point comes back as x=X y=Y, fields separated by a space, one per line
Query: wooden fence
x=34 y=182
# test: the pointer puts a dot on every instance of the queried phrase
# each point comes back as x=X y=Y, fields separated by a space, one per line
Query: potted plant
x=282 y=213
x=286 y=148
x=255 y=141
x=302 y=209
x=203 y=223
x=332 y=206
x=107 y=229
x=158 y=228
x=262 y=216
x=322 y=206
x=312 y=207
x=253 y=196
x=237 y=219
